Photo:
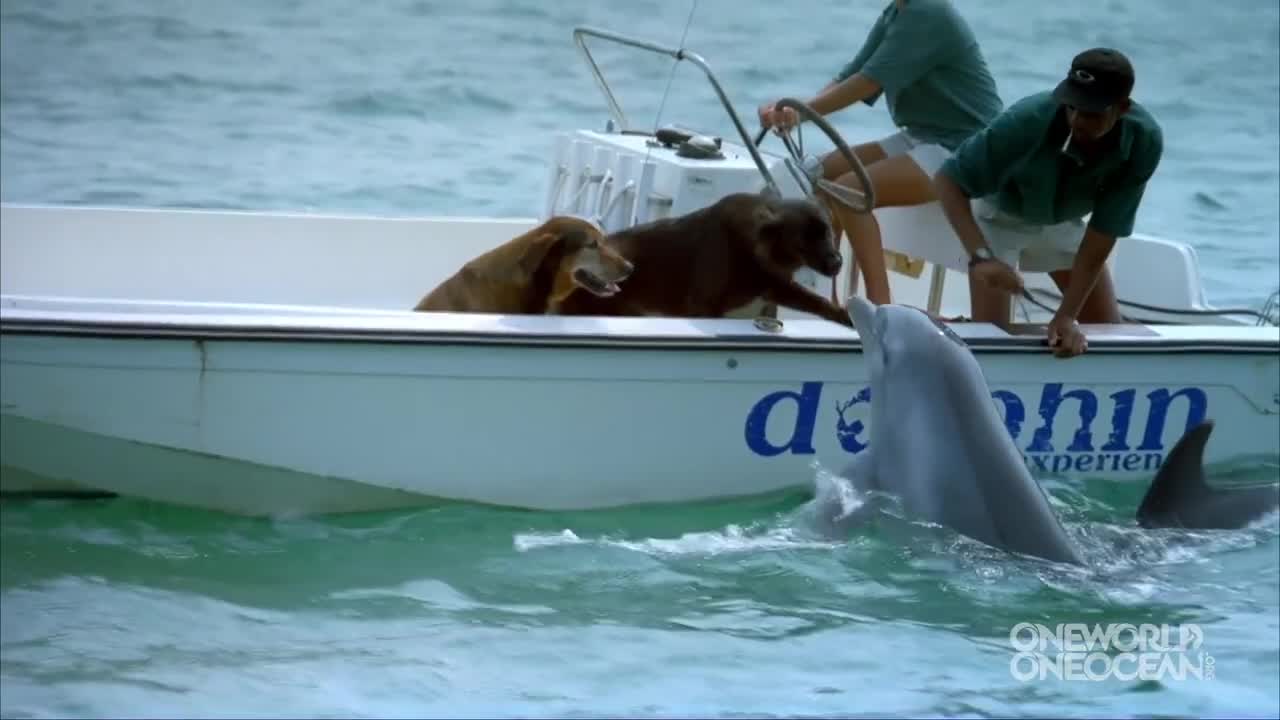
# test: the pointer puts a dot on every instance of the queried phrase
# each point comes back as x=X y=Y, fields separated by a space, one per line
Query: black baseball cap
x=1098 y=79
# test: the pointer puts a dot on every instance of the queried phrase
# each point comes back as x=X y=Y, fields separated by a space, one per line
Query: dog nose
x=834 y=261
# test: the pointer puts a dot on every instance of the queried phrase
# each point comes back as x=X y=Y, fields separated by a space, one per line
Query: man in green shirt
x=923 y=57
x=1045 y=163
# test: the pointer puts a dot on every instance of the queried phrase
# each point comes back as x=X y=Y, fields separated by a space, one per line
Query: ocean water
x=119 y=608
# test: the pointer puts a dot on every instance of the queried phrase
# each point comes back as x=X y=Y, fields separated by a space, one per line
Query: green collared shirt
x=929 y=65
x=1024 y=160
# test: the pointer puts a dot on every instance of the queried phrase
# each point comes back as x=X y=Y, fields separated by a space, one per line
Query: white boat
x=266 y=363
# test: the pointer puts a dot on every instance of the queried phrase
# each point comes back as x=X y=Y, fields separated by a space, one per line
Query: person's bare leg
x=987 y=305
x=833 y=166
x=1100 y=307
x=898 y=181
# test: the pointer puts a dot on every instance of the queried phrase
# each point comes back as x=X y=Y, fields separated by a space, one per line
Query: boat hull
x=338 y=414
x=43 y=459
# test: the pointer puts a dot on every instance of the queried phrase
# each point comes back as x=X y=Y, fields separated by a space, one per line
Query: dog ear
x=552 y=244
x=766 y=217
x=548 y=243
x=764 y=214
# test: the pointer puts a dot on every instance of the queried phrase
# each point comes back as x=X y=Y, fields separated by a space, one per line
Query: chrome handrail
x=615 y=110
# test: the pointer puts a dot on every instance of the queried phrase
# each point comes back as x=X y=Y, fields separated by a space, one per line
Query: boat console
x=621 y=179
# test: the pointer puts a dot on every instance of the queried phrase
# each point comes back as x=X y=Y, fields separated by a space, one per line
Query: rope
x=1271 y=310
x=1262 y=317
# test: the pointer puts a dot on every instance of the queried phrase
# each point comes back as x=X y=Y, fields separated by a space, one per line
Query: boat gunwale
x=142 y=329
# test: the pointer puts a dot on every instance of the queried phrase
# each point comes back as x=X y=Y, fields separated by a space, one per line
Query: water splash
x=732 y=539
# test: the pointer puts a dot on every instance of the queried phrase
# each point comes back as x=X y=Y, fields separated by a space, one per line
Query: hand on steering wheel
x=859 y=201
x=773 y=117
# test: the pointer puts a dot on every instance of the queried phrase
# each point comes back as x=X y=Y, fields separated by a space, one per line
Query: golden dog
x=533 y=273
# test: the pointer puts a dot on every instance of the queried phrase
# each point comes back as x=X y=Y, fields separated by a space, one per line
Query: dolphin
x=941 y=448
x=937 y=442
x=1179 y=496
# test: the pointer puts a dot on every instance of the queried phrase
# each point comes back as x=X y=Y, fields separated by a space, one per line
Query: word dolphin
x=1179 y=497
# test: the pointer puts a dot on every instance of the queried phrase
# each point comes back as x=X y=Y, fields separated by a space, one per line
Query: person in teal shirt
x=1046 y=162
x=923 y=57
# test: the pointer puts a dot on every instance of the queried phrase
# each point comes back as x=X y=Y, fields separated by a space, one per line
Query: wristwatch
x=982 y=254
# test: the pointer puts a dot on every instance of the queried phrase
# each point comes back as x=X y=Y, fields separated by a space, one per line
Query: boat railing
x=580 y=34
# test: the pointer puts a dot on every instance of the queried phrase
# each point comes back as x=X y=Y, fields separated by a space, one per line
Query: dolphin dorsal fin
x=1180 y=481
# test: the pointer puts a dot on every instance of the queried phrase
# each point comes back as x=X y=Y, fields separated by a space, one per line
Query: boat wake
x=1111 y=542
x=733 y=538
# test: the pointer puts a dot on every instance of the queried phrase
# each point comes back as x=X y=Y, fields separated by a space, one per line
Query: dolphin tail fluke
x=1180 y=481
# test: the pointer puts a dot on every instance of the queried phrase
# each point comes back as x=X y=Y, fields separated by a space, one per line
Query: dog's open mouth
x=594 y=284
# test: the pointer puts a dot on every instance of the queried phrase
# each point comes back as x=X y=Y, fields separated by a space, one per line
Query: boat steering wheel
x=859 y=201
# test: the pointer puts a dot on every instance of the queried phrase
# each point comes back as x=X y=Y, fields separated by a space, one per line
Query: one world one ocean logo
x=1058 y=430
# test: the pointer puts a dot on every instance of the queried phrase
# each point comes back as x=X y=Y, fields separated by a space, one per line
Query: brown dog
x=717 y=259
x=533 y=273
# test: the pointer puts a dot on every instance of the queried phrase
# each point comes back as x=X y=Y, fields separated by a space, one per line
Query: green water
x=120 y=608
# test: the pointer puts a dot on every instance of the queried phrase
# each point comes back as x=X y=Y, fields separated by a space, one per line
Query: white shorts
x=927 y=156
x=1027 y=246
